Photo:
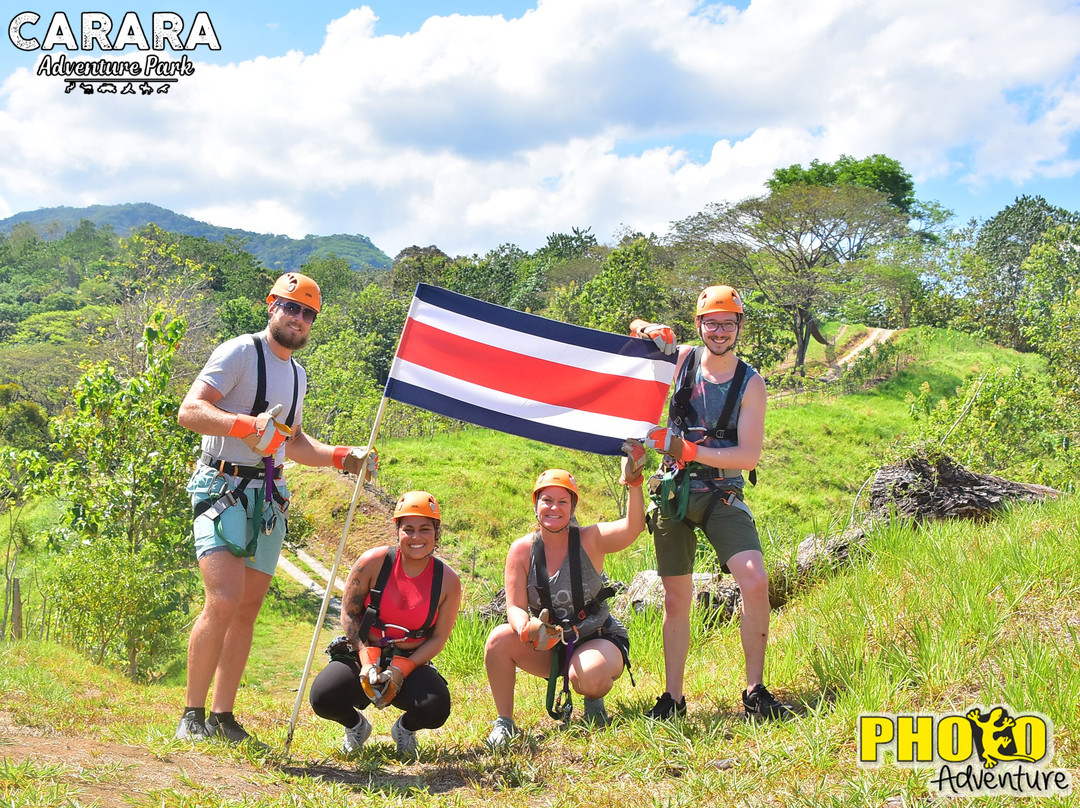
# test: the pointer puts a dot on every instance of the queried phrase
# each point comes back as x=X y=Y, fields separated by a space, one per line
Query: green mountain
x=275 y=252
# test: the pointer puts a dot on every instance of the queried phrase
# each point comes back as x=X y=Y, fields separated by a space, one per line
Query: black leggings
x=424 y=697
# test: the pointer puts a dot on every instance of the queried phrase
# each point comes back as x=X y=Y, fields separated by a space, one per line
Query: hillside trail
x=876 y=336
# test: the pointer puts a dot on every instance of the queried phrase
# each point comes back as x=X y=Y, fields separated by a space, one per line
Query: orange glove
x=243 y=425
x=665 y=440
x=392 y=679
x=265 y=441
x=662 y=335
x=633 y=463
x=353 y=459
x=540 y=632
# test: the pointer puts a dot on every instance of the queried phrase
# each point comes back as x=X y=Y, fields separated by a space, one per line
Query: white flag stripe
x=536 y=411
x=633 y=367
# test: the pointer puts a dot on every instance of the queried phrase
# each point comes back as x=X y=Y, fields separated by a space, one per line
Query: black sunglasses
x=294 y=309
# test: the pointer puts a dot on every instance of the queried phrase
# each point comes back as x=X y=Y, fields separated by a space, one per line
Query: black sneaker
x=225 y=725
x=666 y=708
x=760 y=703
x=191 y=728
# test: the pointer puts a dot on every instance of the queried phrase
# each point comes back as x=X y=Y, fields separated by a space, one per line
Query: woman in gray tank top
x=556 y=599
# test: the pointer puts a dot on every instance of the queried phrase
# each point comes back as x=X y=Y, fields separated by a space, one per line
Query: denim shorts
x=234 y=522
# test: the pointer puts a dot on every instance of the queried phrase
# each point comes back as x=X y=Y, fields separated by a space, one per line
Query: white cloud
x=475 y=131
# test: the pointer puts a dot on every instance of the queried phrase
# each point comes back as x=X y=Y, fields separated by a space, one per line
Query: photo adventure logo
x=993 y=752
x=151 y=72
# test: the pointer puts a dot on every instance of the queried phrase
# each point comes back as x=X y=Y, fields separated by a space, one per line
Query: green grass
x=929 y=620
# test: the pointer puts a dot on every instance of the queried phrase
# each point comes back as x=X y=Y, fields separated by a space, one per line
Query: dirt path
x=876 y=336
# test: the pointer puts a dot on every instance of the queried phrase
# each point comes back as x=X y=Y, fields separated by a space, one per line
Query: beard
x=286 y=338
x=720 y=351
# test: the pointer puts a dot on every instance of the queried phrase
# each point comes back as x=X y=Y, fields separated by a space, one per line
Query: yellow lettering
x=954 y=740
x=874 y=730
x=1031 y=733
x=914 y=738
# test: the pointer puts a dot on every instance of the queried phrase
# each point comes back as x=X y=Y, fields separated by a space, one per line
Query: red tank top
x=405 y=601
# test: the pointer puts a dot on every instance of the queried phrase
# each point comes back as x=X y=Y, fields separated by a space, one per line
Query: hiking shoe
x=595 y=713
x=225 y=725
x=191 y=728
x=356 y=737
x=666 y=708
x=760 y=703
x=503 y=731
x=404 y=738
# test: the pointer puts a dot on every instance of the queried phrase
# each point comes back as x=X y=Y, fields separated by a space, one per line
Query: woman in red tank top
x=399 y=608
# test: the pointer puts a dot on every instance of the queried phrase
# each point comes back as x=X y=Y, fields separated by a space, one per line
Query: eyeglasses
x=294 y=309
x=720 y=325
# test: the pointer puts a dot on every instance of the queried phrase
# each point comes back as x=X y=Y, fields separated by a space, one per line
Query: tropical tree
x=627 y=287
x=992 y=276
x=879 y=172
x=803 y=247
x=415 y=265
x=121 y=589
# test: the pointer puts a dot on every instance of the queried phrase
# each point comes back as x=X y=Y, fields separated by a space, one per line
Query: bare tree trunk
x=16 y=610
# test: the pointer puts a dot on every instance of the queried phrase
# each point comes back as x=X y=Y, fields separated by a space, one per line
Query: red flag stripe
x=530 y=377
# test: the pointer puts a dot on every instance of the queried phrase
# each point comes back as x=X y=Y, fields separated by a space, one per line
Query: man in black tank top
x=714 y=456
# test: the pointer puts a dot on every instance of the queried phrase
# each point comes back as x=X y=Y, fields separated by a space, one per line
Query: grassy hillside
x=929 y=620
x=926 y=621
x=818 y=454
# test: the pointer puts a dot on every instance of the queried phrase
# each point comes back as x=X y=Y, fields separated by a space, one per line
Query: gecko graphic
x=995 y=738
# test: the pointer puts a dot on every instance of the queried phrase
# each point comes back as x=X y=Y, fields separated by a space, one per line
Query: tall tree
x=121 y=586
x=877 y=171
x=801 y=247
x=992 y=273
x=628 y=286
x=415 y=265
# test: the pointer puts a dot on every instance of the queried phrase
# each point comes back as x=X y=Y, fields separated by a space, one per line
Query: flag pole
x=360 y=480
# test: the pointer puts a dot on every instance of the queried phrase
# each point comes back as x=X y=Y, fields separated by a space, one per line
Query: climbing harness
x=268 y=504
x=341 y=649
x=371 y=619
x=562 y=707
x=682 y=410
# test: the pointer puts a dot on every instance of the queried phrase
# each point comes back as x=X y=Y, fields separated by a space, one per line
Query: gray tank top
x=562 y=599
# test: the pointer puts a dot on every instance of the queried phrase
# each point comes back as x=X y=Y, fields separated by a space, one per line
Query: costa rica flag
x=527 y=375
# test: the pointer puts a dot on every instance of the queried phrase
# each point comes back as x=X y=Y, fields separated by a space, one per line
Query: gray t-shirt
x=233 y=370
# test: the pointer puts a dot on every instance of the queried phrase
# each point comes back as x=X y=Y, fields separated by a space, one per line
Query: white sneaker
x=356 y=737
x=404 y=738
x=595 y=712
x=503 y=731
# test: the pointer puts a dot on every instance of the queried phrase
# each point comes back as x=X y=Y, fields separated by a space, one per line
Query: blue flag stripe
x=463 y=411
x=534 y=324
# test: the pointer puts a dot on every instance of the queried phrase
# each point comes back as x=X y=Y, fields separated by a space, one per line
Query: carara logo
x=151 y=75
x=979 y=752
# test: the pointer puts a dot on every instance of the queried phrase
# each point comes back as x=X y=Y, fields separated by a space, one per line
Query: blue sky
x=472 y=123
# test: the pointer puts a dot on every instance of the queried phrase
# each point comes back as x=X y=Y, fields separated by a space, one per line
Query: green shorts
x=234 y=522
x=730 y=530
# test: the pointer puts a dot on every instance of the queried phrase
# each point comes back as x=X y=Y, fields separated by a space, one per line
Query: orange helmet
x=417 y=503
x=718 y=298
x=559 y=477
x=294 y=286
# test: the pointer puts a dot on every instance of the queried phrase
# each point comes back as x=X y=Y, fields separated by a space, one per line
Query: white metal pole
x=360 y=480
